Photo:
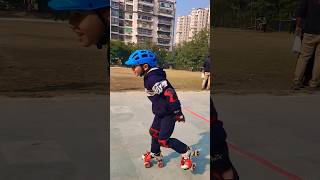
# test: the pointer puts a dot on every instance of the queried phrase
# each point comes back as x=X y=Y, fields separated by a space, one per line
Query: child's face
x=138 y=70
x=87 y=26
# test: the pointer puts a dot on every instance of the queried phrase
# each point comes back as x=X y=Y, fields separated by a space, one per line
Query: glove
x=179 y=116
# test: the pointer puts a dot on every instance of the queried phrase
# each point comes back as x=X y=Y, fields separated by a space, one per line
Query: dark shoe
x=311 y=88
x=296 y=87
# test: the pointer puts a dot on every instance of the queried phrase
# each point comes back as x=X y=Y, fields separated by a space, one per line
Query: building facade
x=188 y=26
x=182 y=32
x=140 y=21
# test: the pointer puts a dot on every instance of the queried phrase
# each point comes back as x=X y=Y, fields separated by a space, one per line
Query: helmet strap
x=144 y=72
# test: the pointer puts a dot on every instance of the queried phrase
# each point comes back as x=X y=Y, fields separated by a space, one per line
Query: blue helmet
x=140 y=57
x=78 y=5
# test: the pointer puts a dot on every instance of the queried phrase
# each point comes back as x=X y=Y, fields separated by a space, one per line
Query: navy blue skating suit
x=165 y=106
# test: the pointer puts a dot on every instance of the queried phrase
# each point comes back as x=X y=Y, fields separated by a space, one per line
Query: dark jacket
x=206 y=65
x=161 y=93
x=310 y=11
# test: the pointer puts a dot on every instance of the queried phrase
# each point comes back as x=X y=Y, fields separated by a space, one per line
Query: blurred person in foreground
x=221 y=165
x=309 y=10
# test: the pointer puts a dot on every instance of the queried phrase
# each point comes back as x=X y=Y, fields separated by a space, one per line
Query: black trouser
x=220 y=152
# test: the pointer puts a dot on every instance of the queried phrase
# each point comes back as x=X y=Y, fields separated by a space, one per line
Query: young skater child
x=165 y=107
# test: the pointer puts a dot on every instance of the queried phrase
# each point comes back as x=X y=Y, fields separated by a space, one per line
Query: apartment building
x=188 y=26
x=183 y=28
x=139 y=21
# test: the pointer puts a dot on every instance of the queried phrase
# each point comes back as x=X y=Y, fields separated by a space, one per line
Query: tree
x=242 y=13
x=119 y=51
x=190 y=55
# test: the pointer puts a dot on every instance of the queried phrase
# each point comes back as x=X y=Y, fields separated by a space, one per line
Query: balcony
x=129 y=8
x=128 y=24
x=121 y=37
x=163 y=29
x=122 y=7
x=128 y=31
x=129 y=1
x=166 y=37
x=114 y=5
x=121 y=23
x=121 y=31
x=165 y=45
x=128 y=17
x=114 y=36
x=116 y=31
x=146 y=33
x=145 y=9
x=145 y=27
x=164 y=22
x=166 y=6
x=144 y=20
x=141 y=39
x=114 y=13
x=114 y=23
x=147 y=3
x=121 y=16
x=166 y=13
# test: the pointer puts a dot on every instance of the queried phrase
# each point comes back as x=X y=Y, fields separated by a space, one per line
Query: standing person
x=310 y=11
x=165 y=107
x=264 y=24
x=206 y=73
x=221 y=165
x=309 y=67
x=89 y=19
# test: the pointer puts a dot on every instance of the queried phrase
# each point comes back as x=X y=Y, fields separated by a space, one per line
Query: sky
x=184 y=7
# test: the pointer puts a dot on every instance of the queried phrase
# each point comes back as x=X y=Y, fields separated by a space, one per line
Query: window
x=121 y=23
x=144 y=31
x=144 y=17
x=128 y=16
x=163 y=41
x=166 y=5
x=114 y=21
x=114 y=4
x=114 y=29
x=121 y=15
x=114 y=13
x=128 y=30
x=128 y=23
x=148 y=1
x=129 y=8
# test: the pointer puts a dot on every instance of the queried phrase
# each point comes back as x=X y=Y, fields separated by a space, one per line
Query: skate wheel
x=147 y=165
x=193 y=167
x=160 y=164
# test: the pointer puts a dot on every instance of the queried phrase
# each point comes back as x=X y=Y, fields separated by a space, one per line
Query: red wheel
x=160 y=164
x=147 y=164
x=193 y=167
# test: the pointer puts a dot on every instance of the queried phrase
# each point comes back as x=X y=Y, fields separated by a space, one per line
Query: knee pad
x=163 y=143
x=154 y=133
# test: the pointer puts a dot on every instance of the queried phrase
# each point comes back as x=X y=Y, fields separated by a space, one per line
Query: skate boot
x=186 y=159
x=158 y=158
x=147 y=158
